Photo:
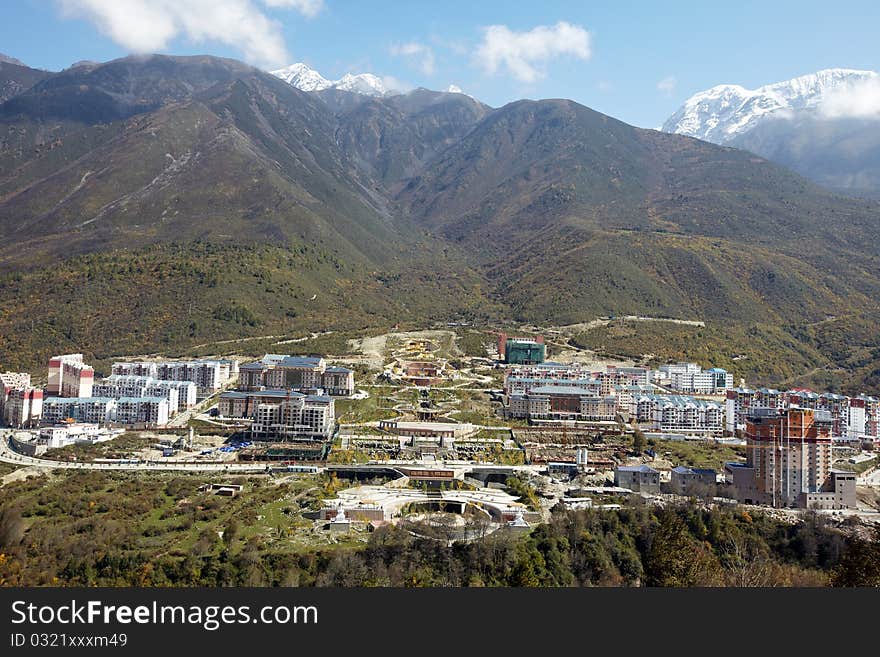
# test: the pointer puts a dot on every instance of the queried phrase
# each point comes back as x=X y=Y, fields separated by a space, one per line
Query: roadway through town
x=8 y=455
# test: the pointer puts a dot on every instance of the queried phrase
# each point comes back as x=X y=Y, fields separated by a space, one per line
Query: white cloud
x=308 y=8
x=392 y=83
x=419 y=52
x=667 y=85
x=144 y=26
x=523 y=53
x=859 y=100
x=604 y=86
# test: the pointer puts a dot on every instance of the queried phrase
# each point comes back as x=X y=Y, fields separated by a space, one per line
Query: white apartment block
x=680 y=414
x=693 y=379
x=142 y=410
x=208 y=375
x=100 y=410
x=181 y=395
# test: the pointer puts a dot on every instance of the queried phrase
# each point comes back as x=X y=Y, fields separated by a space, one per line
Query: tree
x=639 y=441
x=860 y=565
x=675 y=558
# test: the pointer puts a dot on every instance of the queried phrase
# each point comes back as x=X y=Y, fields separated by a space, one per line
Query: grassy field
x=378 y=406
x=698 y=454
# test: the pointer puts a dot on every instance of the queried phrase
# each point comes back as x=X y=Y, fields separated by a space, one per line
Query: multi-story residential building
x=22 y=407
x=680 y=414
x=69 y=376
x=244 y=403
x=99 y=410
x=296 y=417
x=692 y=379
x=521 y=378
x=8 y=382
x=153 y=411
x=514 y=385
x=639 y=376
x=838 y=408
x=741 y=402
x=136 y=368
x=303 y=373
x=851 y=418
x=11 y=380
x=181 y=395
x=872 y=414
x=557 y=402
x=208 y=375
x=788 y=461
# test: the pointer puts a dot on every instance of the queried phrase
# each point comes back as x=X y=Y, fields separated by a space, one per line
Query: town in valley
x=453 y=440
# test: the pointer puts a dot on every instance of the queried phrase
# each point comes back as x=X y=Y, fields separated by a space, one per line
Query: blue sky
x=636 y=61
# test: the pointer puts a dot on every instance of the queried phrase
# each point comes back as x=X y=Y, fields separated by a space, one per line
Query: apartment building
x=181 y=395
x=208 y=375
x=69 y=376
x=22 y=406
x=152 y=411
x=693 y=379
x=301 y=417
x=788 y=461
x=852 y=418
x=10 y=381
x=680 y=414
x=100 y=410
x=557 y=402
x=740 y=402
x=302 y=373
x=244 y=403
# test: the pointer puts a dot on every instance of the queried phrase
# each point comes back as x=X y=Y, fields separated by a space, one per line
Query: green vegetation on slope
x=168 y=299
x=104 y=529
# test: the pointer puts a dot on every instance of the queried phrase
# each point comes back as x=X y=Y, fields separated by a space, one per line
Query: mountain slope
x=151 y=204
x=393 y=138
x=16 y=78
x=576 y=214
x=190 y=149
x=810 y=124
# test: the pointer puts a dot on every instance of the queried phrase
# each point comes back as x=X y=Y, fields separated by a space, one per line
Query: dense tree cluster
x=109 y=531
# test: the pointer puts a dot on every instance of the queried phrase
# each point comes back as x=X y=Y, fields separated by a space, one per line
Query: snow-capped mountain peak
x=302 y=77
x=722 y=113
x=362 y=83
x=306 y=78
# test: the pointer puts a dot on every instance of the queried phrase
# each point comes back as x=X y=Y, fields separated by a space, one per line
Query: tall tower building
x=790 y=451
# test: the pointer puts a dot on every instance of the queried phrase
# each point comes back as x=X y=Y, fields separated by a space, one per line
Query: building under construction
x=788 y=462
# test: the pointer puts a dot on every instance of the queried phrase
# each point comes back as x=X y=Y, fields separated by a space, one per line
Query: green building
x=524 y=352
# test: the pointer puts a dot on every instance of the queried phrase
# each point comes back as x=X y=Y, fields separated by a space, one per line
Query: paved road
x=7 y=455
x=872 y=479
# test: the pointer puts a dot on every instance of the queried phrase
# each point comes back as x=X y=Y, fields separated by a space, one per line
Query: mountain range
x=304 y=78
x=155 y=203
x=815 y=124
